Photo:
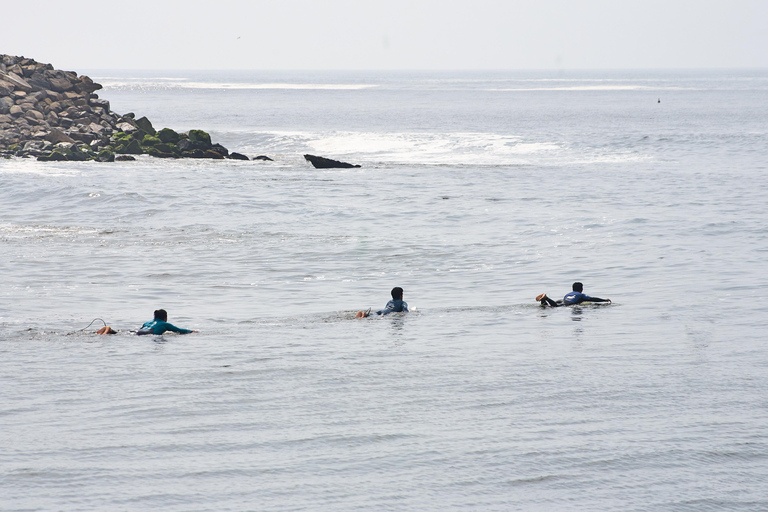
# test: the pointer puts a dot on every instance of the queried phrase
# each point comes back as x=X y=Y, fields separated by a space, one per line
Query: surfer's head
x=578 y=287
x=397 y=293
x=161 y=314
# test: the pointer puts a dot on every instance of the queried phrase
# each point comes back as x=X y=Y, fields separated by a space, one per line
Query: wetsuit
x=159 y=327
x=394 y=306
x=571 y=299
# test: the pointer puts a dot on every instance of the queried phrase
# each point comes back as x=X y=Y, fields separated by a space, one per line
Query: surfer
x=160 y=325
x=396 y=305
x=572 y=298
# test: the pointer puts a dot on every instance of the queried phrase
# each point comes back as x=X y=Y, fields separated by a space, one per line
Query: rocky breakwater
x=56 y=115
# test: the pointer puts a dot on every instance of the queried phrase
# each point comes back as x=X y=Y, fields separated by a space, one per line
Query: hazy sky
x=391 y=34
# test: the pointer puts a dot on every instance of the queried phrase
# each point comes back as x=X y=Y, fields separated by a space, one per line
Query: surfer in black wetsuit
x=571 y=299
x=396 y=305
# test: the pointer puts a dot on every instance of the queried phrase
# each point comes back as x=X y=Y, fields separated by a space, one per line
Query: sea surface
x=477 y=192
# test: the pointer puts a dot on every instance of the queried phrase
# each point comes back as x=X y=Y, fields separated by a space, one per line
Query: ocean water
x=477 y=192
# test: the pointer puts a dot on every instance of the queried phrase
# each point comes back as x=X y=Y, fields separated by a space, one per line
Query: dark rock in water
x=144 y=124
x=200 y=139
x=105 y=156
x=209 y=153
x=167 y=135
x=193 y=153
x=237 y=156
x=220 y=149
x=150 y=140
x=185 y=145
x=326 y=163
x=155 y=152
x=263 y=157
x=56 y=156
x=133 y=148
x=124 y=158
x=167 y=148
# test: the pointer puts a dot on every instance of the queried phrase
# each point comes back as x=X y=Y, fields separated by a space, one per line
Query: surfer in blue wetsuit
x=396 y=305
x=571 y=299
x=160 y=325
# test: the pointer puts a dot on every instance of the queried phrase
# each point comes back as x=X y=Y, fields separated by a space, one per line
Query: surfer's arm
x=171 y=327
x=595 y=299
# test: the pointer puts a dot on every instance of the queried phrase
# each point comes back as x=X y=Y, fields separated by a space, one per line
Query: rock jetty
x=56 y=115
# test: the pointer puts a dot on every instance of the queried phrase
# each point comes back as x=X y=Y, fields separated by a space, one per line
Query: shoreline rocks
x=56 y=115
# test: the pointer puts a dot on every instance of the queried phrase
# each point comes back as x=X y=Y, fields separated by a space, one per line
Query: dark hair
x=397 y=293
x=578 y=287
x=161 y=314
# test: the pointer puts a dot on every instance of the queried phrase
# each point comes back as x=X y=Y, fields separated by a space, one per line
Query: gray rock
x=95 y=102
x=17 y=81
x=33 y=144
x=96 y=128
x=16 y=111
x=61 y=84
x=38 y=81
x=185 y=145
x=126 y=127
x=5 y=105
x=124 y=158
x=55 y=136
x=34 y=114
x=144 y=124
x=5 y=88
x=263 y=157
x=237 y=156
x=5 y=119
x=86 y=85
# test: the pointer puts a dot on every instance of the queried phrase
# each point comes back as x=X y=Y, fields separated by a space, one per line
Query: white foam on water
x=172 y=83
x=431 y=148
x=593 y=88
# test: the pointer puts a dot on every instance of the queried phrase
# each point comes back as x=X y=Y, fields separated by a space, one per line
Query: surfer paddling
x=396 y=305
x=571 y=299
x=160 y=325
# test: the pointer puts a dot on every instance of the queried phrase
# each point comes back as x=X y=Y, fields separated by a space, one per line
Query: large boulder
x=133 y=148
x=167 y=135
x=95 y=102
x=319 y=162
x=149 y=140
x=144 y=124
x=220 y=149
x=200 y=139
x=155 y=152
x=237 y=156
x=105 y=155
x=5 y=88
x=39 y=82
x=55 y=136
x=126 y=127
x=5 y=105
x=61 y=84
x=86 y=85
x=16 y=81
x=185 y=145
